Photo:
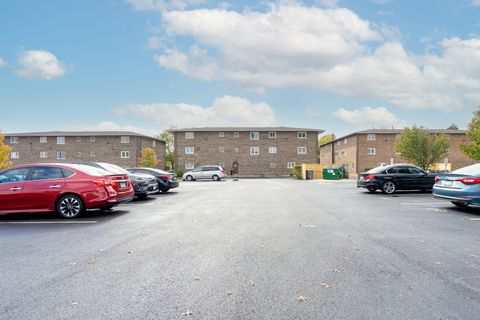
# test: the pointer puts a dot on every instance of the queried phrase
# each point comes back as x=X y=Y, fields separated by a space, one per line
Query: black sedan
x=391 y=178
x=143 y=184
x=166 y=180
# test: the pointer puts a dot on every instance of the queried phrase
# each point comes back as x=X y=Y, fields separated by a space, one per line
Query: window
x=302 y=135
x=189 y=165
x=14 y=175
x=92 y=139
x=13 y=140
x=43 y=154
x=125 y=154
x=79 y=154
x=272 y=135
x=45 y=173
x=60 y=140
x=61 y=155
x=290 y=165
x=254 y=135
x=221 y=149
x=371 y=137
x=302 y=150
x=414 y=170
x=124 y=139
x=221 y=134
x=154 y=143
x=15 y=155
x=344 y=141
x=43 y=139
x=272 y=150
x=338 y=143
x=371 y=151
x=78 y=139
x=189 y=135
x=236 y=134
x=189 y=150
x=254 y=151
x=236 y=150
x=273 y=165
x=92 y=154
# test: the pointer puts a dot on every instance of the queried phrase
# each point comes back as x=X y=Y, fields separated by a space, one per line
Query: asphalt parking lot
x=252 y=249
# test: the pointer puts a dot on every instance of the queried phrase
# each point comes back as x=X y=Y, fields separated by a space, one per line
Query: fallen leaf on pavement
x=423 y=241
x=187 y=312
x=302 y=299
x=229 y=293
x=131 y=252
x=475 y=257
x=196 y=278
x=336 y=270
x=253 y=284
x=325 y=285
x=93 y=260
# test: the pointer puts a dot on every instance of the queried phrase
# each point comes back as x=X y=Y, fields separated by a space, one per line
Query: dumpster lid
x=332 y=167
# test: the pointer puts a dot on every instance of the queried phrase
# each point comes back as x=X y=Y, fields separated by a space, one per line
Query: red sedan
x=68 y=189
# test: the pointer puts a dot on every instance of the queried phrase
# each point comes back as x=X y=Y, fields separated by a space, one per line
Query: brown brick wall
x=326 y=152
x=345 y=153
x=207 y=151
x=106 y=148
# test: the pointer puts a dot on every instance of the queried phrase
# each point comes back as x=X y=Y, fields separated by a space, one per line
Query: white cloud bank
x=3 y=63
x=329 y=50
x=40 y=64
x=225 y=111
x=368 y=117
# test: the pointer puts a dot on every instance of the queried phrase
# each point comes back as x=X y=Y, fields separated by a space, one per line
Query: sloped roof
x=213 y=129
x=78 y=134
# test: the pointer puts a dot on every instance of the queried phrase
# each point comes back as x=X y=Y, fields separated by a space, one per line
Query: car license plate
x=447 y=183
x=123 y=184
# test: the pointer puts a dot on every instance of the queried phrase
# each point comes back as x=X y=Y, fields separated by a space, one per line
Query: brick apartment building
x=367 y=149
x=259 y=151
x=122 y=148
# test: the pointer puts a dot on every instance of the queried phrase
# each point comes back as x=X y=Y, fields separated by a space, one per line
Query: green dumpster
x=332 y=173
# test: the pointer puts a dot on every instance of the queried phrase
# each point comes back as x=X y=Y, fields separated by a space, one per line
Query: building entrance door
x=235 y=168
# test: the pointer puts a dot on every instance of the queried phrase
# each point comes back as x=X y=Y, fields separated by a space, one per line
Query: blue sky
x=146 y=65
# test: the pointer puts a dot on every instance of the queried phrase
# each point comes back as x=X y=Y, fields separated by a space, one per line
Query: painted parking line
x=49 y=222
x=422 y=203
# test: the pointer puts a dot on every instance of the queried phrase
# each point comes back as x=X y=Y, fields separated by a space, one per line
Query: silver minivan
x=215 y=173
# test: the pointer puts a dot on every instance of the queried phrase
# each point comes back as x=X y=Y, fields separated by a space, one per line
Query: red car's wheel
x=70 y=206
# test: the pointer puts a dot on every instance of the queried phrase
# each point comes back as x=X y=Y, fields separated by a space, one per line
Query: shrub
x=296 y=172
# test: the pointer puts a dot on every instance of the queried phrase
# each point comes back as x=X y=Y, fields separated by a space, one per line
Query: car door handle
x=15 y=189
x=57 y=186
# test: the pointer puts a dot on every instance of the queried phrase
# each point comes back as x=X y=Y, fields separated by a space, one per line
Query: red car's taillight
x=102 y=183
x=370 y=177
x=469 y=181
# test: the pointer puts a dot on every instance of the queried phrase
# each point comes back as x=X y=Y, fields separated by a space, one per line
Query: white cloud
x=39 y=64
x=112 y=126
x=476 y=2
x=161 y=5
x=329 y=50
x=3 y=63
x=154 y=43
x=368 y=117
x=225 y=111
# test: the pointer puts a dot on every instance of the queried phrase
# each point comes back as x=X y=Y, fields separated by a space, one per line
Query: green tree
x=168 y=137
x=149 y=158
x=421 y=147
x=453 y=126
x=4 y=154
x=472 y=150
x=326 y=138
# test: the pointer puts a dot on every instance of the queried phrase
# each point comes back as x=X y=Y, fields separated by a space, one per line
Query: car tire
x=70 y=206
x=189 y=178
x=460 y=204
x=372 y=190
x=215 y=178
x=389 y=187
x=142 y=196
x=165 y=190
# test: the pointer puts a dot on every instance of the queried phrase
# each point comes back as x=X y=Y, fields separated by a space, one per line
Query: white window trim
x=254 y=151
x=43 y=155
x=60 y=140
x=254 y=135
x=93 y=154
x=78 y=139
x=300 y=150
x=59 y=155
x=187 y=150
x=189 y=135
x=125 y=154
x=302 y=135
x=14 y=140
x=371 y=137
x=221 y=134
x=371 y=153
x=290 y=165
x=124 y=139
x=236 y=134
x=272 y=150
x=189 y=165
x=43 y=139
x=92 y=139
x=221 y=149
x=272 y=135
x=14 y=155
